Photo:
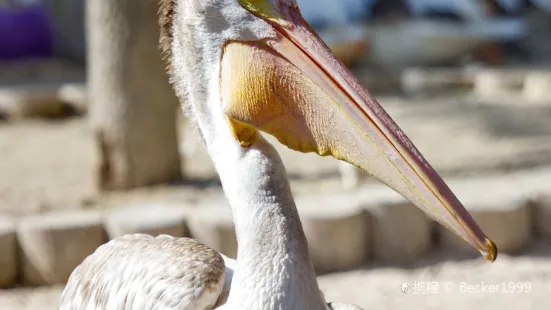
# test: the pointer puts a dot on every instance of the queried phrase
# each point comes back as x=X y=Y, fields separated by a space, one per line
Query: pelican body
x=242 y=67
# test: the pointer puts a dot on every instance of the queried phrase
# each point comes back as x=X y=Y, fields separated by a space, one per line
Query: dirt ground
x=519 y=283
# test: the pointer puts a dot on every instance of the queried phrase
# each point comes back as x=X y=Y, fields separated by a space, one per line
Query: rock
x=537 y=86
x=492 y=83
x=507 y=222
x=337 y=230
x=212 y=224
x=542 y=217
x=150 y=219
x=8 y=252
x=401 y=232
x=31 y=101
x=52 y=245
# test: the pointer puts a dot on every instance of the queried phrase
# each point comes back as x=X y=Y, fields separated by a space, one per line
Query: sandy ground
x=519 y=283
x=48 y=165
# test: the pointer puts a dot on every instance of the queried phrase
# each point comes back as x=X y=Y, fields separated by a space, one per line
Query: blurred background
x=93 y=145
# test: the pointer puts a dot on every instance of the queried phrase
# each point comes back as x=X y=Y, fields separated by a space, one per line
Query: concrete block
x=337 y=230
x=31 y=101
x=52 y=245
x=507 y=222
x=212 y=224
x=542 y=216
x=8 y=252
x=537 y=86
x=401 y=232
x=491 y=83
x=151 y=219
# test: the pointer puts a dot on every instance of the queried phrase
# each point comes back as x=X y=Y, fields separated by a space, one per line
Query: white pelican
x=241 y=67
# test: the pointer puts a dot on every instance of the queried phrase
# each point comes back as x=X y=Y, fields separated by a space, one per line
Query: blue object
x=321 y=13
x=24 y=33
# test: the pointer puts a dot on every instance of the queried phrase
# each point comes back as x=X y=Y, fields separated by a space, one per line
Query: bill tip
x=491 y=255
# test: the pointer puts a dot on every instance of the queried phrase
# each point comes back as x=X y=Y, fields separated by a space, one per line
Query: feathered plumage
x=142 y=272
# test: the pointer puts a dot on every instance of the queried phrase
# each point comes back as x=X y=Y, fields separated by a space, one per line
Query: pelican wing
x=142 y=272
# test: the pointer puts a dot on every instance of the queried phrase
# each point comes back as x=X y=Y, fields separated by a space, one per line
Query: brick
x=337 y=231
x=8 y=252
x=52 y=245
x=152 y=219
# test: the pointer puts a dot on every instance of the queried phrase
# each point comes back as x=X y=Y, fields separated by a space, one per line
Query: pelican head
x=251 y=66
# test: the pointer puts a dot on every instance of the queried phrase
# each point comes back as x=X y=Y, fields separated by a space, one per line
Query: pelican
x=242 y=67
